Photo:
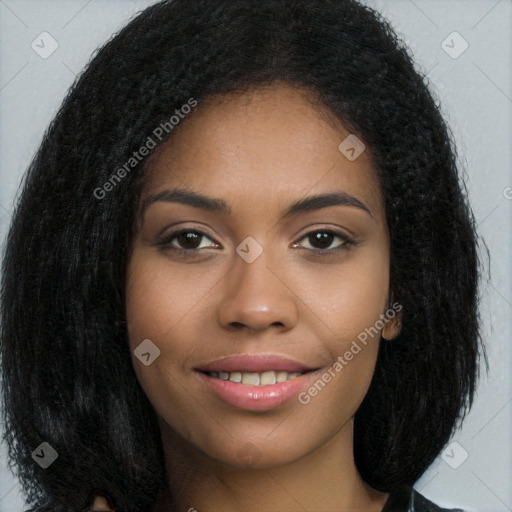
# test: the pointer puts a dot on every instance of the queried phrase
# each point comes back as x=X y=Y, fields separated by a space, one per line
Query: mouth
x=266 y=378
x=256 y=382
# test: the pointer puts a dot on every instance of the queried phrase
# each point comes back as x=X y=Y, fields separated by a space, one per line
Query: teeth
x=252 y=379
x=256 y=379
x=268 y=378
x=281 y=376
x=235 y=377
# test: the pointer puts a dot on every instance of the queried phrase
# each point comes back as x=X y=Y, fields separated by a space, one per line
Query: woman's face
x=263 y=293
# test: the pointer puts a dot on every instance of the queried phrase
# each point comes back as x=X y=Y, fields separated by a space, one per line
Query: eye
x=320 y=240
x=188 y=242
x=185 y=240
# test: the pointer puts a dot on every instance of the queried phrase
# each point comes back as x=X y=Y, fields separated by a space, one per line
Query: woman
x=242 y=274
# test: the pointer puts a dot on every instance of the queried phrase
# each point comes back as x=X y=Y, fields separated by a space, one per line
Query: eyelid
x=348 y=241
x=334 y=230
x=165 y=241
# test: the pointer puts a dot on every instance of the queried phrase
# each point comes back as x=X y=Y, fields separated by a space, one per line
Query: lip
x=256 y=398
x=255 y=363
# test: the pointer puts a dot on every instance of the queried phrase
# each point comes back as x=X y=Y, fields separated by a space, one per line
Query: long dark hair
x=68 y=378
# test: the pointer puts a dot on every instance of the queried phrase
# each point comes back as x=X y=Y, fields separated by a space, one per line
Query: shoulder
x=52 y=510
x=422 y=504
x=407 y=499
x=100 y=504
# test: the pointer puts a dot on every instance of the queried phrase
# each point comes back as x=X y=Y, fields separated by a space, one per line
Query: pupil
x=190 y=240
x=188 y=237
x=323 y=239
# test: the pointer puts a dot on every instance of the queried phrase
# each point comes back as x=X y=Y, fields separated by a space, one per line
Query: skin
x=100 y=504
x=259 y=151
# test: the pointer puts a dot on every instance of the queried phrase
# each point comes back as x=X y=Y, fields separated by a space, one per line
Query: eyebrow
x=211 y=204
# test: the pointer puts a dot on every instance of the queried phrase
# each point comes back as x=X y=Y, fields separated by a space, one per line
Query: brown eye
x=188 y=239
x=320 y=241
x=185 y=240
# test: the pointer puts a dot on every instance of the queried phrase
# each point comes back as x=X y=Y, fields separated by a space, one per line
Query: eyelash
x=165 y=242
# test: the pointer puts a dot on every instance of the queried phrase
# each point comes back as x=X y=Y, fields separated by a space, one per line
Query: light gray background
x=475 y=93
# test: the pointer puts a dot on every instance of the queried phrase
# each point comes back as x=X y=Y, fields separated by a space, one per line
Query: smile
x=256 y=379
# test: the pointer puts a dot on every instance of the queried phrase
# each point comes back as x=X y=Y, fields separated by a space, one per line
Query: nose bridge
x=254 y=293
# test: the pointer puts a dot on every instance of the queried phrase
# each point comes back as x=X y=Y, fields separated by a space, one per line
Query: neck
x=324 y=479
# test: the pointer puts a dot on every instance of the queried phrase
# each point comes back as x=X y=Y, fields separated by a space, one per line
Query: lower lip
x=257 y=398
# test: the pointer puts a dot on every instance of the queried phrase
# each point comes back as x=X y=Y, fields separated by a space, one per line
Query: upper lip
x=255 y=363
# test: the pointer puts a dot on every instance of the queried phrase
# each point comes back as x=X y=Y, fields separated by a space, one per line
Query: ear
x=101 y=504
x=392 y=328
x=393 y=314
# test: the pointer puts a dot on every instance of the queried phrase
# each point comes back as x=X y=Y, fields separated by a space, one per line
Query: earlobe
x=101 y=504
x=392 y=327
x=393 y=315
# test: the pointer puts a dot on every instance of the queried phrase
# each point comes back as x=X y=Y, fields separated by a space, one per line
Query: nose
x=257 y=296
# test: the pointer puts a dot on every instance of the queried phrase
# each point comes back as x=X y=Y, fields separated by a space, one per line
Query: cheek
x=160 y=297
x=166 y=303
x=148 y=303
x=337 y=393
x=348 y=298
x=156 y=308
x=152 y=312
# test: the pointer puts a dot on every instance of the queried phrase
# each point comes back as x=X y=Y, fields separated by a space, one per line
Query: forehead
x=264 y=145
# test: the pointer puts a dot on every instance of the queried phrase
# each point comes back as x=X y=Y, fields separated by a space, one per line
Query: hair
x=68 y=377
